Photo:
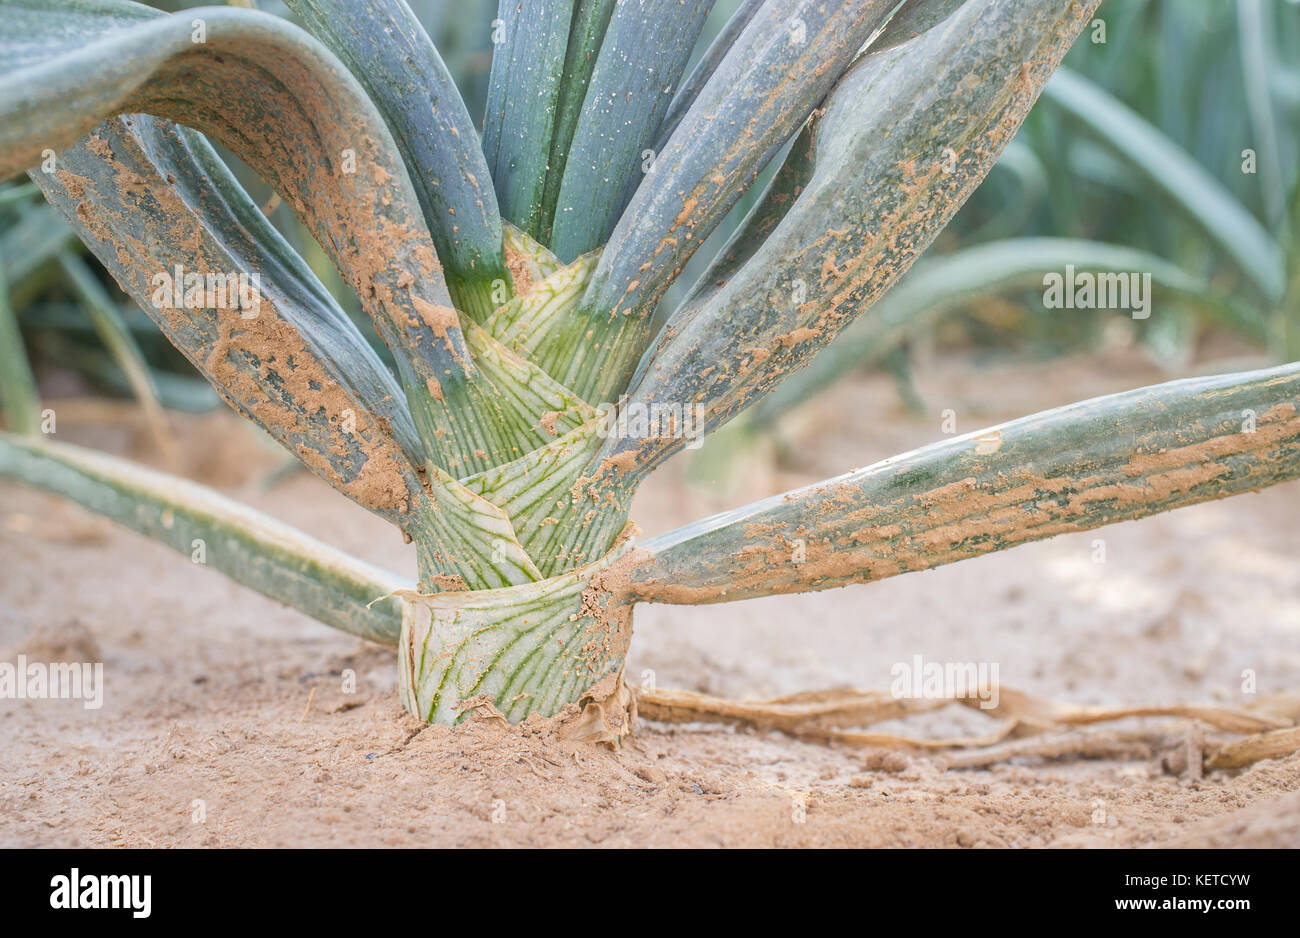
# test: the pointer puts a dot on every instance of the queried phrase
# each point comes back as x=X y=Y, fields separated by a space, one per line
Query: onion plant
x=515 y=279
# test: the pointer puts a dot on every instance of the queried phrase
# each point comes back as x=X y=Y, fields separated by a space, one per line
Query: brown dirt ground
x=208 y=684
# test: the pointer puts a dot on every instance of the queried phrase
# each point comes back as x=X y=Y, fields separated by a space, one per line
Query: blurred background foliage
x=1167 y=145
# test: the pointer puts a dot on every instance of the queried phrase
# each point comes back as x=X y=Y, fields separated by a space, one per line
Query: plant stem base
x=535 y=648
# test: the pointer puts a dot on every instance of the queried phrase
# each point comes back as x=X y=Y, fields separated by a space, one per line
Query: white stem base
x=525 y=649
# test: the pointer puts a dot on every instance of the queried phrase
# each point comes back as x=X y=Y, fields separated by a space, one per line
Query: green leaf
x=642 y=57
x=159 y=199
x=298 y=367
x=39 y=236
x=590 y=18
x=466 y=543
x=527 y=323
x=529 y=259
x=535 y=404
x=20 y=402
x=1258 y=60
x=708 y=64
x=252 y=549
x=1074 y=468
x=320 y=144
x=910 y=20
x=313 y=120
x=387 y=49
x=117 y=338
x=776 y=200
x=530 y=39
x=1170 y=171
x=534 y=489
x=903 y=140
x=782 y=64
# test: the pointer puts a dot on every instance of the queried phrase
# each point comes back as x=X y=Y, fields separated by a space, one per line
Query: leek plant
x=515 y=280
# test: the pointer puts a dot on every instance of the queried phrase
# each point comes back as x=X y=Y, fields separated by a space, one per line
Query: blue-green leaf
x=387 y=49
x=784 y=61
x=902 y=141
x=531 y=38
x=20 y=402
x=590 y=19
x=642 y=57
x=1074 y=468
x=708 y=64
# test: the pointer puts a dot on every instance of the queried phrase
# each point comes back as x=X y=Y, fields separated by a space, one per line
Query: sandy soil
x=210 y=733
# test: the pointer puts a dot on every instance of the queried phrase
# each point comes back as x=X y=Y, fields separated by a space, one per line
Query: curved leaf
x=318 y=141
x=252 y=549
x=904 y=139
x=20 y=401
x=1254 y=26
x=148 y=198
x=387 y=49
x=293 y=363
x=106 y=318
x=912 y=18
x=530 y=261
x=780 y=195
x=525 y=323
x=313 y=121
x=909 y=21
x=705 y=67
